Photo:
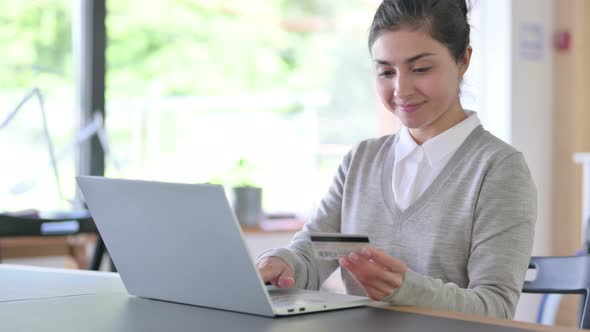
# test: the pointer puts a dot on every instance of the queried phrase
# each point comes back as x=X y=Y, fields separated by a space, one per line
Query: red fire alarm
x=562 y=40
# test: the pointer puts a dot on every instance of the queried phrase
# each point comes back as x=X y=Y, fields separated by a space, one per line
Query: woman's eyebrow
x=407 y=61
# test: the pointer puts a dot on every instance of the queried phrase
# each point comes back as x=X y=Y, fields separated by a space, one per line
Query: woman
x=449 y=208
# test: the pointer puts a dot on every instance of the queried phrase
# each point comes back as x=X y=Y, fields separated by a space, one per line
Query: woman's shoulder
x=487 y=147
x=373 y=146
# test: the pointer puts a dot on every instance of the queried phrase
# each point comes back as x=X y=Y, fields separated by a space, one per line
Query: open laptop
x=182 y=243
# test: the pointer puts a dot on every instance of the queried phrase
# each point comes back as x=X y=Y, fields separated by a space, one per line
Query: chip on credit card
x=329 y=246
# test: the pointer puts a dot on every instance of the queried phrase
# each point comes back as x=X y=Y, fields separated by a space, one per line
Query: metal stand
x=99 y=253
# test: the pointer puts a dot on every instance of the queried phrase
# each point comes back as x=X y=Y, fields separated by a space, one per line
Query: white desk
x=25 y=283
x=41 y=299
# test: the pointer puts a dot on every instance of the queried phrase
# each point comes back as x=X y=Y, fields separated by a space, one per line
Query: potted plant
x=247 y=195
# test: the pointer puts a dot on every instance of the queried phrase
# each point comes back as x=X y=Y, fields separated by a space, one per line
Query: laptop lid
x=176 y=242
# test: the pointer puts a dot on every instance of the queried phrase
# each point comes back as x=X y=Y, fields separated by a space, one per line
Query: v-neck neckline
x=422 y=201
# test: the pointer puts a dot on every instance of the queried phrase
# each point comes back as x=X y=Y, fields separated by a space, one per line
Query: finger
x=276 y=271
x=269 y=270
x=380 y=257
x=268 y=274
x=377 y=282
x=286 y=280
x=375 y=293
x=394 y=267
x=371 y=292
x=361 y=266
x=379 y=285
x=370 y=273
x=376 y=290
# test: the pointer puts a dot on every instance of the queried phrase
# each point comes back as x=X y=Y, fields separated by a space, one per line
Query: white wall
x=532 y=104
x=489 y=76
x=512 y=82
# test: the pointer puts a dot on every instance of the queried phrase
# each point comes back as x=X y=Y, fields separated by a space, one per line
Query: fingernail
x=366 y=252
x=286 y=282
x=353 y=257
x=343 y=261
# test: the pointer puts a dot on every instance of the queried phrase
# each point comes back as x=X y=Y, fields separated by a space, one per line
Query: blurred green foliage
x=170 y=47
x=37 y=44
x=200 y=47
x=167 y=48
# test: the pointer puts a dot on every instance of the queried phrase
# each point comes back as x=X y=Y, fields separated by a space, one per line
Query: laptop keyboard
x=293 y=299
x=283 y=299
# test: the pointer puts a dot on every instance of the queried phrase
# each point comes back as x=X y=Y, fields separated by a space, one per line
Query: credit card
x=329 y=246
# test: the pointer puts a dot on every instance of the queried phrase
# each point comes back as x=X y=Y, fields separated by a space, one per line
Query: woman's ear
x=464 y=64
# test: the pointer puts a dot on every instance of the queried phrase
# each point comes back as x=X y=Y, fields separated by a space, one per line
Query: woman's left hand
x=378 y=273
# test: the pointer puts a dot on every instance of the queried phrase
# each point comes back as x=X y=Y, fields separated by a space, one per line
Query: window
x=195 y=86
x=37 y=54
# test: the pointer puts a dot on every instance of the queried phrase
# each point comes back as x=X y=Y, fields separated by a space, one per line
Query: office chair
x=563 y=275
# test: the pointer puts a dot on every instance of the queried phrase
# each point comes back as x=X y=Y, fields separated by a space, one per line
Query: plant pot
x=247 y=204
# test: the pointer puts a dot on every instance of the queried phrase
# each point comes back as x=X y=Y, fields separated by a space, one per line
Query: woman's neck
x=444 y=122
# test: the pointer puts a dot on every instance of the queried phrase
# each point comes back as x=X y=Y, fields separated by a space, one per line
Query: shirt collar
x=405 y=144
x=441 y=145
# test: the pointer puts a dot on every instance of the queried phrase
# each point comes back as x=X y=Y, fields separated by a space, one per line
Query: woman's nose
x=403 y=87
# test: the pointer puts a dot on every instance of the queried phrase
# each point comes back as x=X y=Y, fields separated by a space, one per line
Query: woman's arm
x=310 y=272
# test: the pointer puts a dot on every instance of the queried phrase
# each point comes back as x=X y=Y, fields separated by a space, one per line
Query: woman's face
x=418 y=80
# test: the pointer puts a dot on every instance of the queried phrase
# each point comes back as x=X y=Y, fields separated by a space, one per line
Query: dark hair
x=445 y=20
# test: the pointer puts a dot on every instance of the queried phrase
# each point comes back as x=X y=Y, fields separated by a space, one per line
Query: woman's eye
x=422 y=69
x=387 y=73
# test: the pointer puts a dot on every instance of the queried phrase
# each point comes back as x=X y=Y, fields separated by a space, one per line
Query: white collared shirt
x=415 y=166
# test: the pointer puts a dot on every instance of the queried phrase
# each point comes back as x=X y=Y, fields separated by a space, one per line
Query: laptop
x=182 y=243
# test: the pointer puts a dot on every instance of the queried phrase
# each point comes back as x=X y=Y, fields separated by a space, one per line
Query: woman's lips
x=409 y=108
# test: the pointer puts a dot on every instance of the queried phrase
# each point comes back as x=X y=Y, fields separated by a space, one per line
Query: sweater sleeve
x=310 y=272
x=501 y=245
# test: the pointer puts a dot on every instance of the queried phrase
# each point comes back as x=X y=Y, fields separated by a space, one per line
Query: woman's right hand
x=276 y=271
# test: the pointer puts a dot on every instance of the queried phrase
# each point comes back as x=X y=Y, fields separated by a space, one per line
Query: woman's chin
x=411 y=123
